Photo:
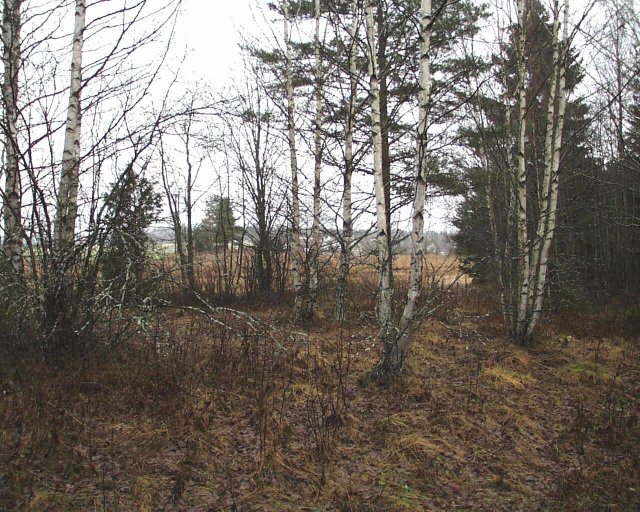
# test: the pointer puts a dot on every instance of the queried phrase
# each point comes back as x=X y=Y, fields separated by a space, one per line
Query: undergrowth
x=218 y=410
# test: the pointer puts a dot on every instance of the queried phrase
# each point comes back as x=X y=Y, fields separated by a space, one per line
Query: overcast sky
x=209 y=30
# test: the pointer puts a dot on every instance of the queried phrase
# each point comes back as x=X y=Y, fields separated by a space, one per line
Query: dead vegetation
x=218 y=412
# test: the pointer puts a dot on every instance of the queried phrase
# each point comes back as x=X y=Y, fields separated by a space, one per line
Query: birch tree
x=522 y=174
x=316 y=236
x=347 y=227
x=533 y=249
x=67 y=209
x=395 y=338
x=382 y=240
x=107 y=94
x=297 y=251
x=553 y=144
x=12 y=198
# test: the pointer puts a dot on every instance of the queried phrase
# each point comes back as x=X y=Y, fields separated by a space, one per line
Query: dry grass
x=193 y=417
x=502 y=376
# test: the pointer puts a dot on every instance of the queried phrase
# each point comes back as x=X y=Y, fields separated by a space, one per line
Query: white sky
x=209 y=31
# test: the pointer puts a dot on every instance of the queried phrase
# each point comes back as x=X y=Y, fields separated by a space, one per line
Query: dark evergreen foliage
x=131 y=207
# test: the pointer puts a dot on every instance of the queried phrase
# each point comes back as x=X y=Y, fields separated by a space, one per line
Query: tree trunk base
x=392 y=362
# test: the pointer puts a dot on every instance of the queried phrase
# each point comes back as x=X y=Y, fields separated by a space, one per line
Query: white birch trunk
x=384 y=260
x=521 y=178
x=297 y=252
x=66 y=215
x=417 y=233
x=397 y=341
x=12 y=206
x=347 y=229
x=543 y=220
x=315 y=230
x=554 y=185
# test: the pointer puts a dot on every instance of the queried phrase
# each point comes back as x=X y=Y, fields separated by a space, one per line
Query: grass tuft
x=501 y=376
x=144 y=490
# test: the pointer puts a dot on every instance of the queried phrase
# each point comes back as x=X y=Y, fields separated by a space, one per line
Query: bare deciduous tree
x=297 y=250
x=12 y=198
x=395 y=338
x=67 y=209
x=347 y=226
x=316 y=236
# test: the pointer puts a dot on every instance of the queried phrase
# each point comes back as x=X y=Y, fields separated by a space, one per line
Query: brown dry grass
x=193 y=418
x=208 y=267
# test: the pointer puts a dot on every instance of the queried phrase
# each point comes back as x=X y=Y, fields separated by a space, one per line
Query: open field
x=212 y=267
x=192 y=416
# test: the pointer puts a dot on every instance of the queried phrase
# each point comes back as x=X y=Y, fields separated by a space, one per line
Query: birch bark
x=407 y=321
x=347 y=230
x=543 y=219
x=396 y=338
x=387 y=329
x=12 y=207
x=67 y=212
x=315 y=230
x=554 y=185
x=297 y=252
x=521 y=177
